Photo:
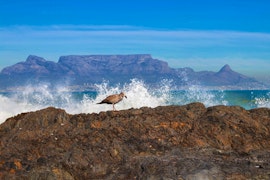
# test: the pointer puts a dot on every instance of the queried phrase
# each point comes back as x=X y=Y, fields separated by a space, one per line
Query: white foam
x=196 y=93
x=138 y=95
x=263 y=101
x=32 y=98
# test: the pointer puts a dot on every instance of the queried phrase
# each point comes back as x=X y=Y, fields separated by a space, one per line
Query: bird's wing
x=109 y=99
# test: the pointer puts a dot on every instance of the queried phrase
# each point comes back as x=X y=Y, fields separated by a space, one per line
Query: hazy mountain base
x=172 y=142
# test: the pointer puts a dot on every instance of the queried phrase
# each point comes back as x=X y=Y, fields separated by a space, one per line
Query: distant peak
x=225 y=68
x=34 y=59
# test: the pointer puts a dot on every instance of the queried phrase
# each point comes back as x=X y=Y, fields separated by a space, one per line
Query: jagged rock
x=172 y=142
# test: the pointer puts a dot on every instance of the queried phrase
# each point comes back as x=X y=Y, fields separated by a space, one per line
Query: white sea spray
x=263 y=101
x=139 y=94
x=196 y=93
x=32 y=98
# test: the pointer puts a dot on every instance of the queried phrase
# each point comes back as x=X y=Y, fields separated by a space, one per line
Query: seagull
x=113 y=99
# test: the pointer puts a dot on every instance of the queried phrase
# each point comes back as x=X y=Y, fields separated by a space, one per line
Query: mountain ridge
x=79 y=70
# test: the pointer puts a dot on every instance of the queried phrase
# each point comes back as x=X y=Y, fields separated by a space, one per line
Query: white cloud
x=184 y=37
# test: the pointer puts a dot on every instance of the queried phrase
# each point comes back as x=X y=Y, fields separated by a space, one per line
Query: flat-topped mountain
x=89 y=69
x=114 y=64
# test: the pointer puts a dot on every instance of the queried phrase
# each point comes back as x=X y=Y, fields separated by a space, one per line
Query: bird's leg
x=113 y=107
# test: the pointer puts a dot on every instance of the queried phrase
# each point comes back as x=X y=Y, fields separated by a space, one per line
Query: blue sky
x=203 y=35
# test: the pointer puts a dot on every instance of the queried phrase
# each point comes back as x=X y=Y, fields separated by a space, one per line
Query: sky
x=201 y=34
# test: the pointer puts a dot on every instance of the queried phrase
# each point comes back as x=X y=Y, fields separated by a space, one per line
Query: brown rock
x=172 y=142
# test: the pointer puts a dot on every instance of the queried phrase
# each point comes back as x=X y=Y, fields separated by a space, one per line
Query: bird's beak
x=125 y=96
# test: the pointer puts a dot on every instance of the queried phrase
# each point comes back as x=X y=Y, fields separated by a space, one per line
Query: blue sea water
x=32 y=98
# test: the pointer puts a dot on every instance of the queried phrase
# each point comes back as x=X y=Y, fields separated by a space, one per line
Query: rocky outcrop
x=90 y=69
x=172 y=142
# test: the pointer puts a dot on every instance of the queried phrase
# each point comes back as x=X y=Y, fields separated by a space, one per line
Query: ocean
x=32 y=98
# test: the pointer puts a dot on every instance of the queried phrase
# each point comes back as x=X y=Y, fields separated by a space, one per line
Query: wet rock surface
x=172 y=142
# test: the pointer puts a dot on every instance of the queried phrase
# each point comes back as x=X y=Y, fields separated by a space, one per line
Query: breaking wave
x=139 y=94
x=32 y=98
